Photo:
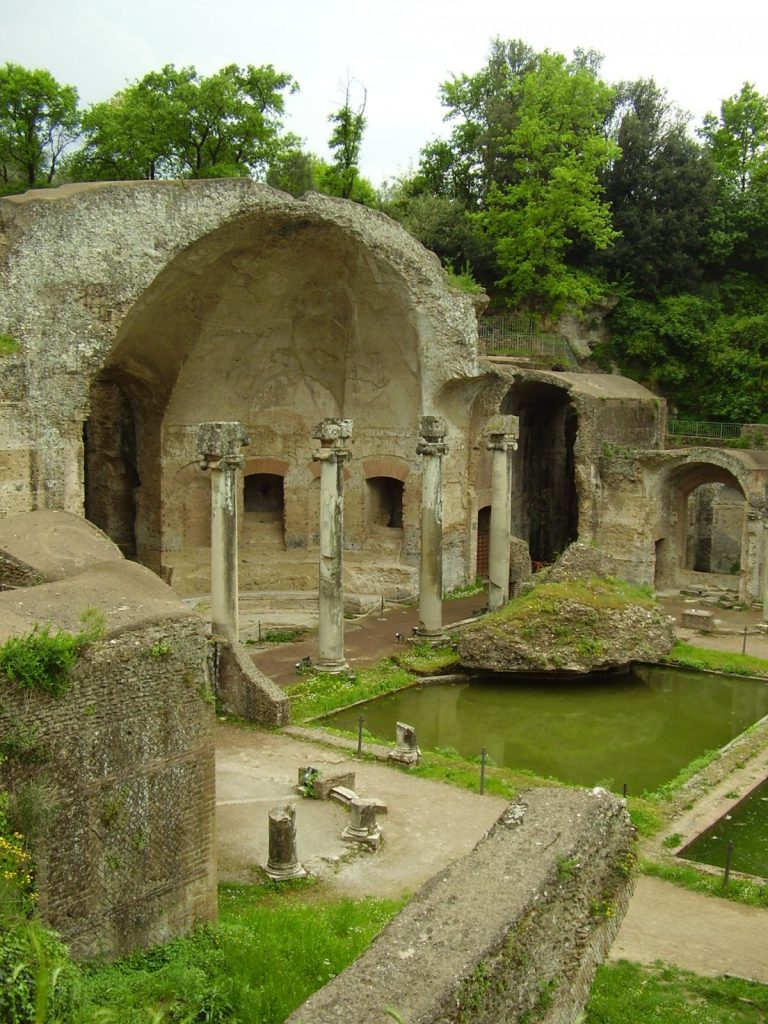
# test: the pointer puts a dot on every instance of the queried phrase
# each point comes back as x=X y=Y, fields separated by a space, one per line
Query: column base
x=331 y=666
x=432 y=634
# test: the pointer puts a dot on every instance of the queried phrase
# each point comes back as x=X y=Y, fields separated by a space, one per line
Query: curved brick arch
x=397 y=469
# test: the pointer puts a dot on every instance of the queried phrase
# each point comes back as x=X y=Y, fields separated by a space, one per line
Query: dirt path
x=699 y=933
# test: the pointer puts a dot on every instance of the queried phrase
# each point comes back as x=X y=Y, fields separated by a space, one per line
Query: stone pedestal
x=432 y=449
x=219 y=445
x=332 y=454
x=283 y=862
x=363 y=827
x=502 y=438
x=407 y=749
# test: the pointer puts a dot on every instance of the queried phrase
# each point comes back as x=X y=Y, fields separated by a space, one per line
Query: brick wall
x=126 y=764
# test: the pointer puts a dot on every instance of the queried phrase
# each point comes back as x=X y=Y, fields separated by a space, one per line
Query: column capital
x=502 y=433
x=332 y=431
x=432 y=428
x=219 y=443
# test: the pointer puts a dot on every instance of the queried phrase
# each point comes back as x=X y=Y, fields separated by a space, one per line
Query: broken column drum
x=332 y=434
x=283 y=862
x=502 y=438
x=432 y=449
x=219 y=445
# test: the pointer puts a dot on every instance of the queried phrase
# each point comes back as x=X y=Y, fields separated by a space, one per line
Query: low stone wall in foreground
x=514 y=931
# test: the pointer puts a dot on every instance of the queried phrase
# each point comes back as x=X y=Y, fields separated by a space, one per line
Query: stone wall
x=513 y=932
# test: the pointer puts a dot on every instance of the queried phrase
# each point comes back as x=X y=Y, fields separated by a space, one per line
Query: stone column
x=219 y=445
x=432 y=448
x=283 y=862
x=332 y=433
x=502 y=438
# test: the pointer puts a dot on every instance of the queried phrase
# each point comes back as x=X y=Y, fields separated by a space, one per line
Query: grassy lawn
x=625 y=993
x=274 y=946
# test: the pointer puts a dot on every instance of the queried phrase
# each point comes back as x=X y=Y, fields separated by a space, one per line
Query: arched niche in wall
x=545 y=504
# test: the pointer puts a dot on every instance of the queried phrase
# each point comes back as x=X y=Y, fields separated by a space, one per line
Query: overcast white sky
x=401 y=50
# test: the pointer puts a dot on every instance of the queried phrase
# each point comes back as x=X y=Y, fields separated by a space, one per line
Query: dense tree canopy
x=39 y=118
x=175 y=123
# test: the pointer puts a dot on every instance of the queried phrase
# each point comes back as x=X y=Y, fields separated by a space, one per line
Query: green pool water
x=640 y=727
x=746 y=826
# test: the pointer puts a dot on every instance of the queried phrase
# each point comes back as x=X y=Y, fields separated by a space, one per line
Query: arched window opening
x=263 y=497
x=385 y=502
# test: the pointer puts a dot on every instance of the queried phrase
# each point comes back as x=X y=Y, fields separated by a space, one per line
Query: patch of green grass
x=740 y=890
x=233 y=974
x=644 y=815
x=321 y=693
x=625 y=993
x=705 y=660
x=449 y=766
x=424 y=659
x=469 y=590
x=8 y=345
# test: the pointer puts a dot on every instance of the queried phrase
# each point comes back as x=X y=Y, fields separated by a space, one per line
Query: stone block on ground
x=324 y=778
x=693 y=618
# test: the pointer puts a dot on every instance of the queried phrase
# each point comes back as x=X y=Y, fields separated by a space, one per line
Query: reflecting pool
x=746 y=826
x=640 y=726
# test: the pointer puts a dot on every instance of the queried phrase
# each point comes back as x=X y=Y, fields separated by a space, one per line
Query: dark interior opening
x=110 y=471
x=385 y=501
x=545 y=507
x=483 y=540
x=263 y=495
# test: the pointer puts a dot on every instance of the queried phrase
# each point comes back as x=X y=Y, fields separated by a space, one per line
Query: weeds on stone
x=44 y=658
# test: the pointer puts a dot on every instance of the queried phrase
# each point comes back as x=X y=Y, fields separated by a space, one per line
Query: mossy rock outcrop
x=579 y=626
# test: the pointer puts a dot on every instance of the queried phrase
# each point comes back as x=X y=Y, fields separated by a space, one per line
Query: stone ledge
x=520 y=922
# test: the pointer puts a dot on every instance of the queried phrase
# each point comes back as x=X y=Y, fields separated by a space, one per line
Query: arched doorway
x=702 y=535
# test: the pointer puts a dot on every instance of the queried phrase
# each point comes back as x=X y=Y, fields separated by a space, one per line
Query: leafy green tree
x=175 y=123
x=484 y=109
x=662 y=192
x=341 y=177
x=553 y=199
x=39 y=118
x=738 y=138
x=738 y=143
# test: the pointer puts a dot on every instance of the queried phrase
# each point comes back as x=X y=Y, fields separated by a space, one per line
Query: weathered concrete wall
x=147 y=307
x=123 y=763
x=512 y=932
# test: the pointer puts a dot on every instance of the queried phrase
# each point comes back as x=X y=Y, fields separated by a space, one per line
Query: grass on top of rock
x=426 y=659
x=547 y=599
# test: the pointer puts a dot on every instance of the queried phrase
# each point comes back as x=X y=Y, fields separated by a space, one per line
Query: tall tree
x=39 y=118
x=177 y=123
x=662 y=192
x=345 y=143
x=553 y=196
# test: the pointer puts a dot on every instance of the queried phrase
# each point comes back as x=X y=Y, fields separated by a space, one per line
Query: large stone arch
x=198 y=301
x=677 y=479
